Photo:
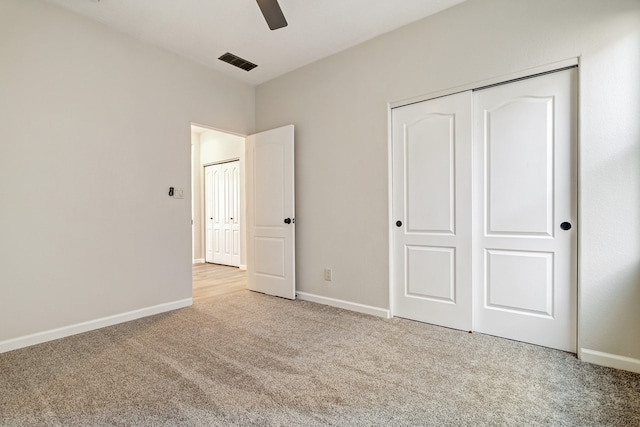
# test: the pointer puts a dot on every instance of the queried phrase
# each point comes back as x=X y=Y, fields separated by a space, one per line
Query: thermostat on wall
x=176 y=193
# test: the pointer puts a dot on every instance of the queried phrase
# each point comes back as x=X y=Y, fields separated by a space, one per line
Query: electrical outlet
x=178 y=194
x=328 y=275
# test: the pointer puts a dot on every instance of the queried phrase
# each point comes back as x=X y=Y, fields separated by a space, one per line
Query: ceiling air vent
x=237 y=61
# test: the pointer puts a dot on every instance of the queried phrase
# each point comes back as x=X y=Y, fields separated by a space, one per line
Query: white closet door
x=212 y=219
x=234 y=213
x=229 y=205
x=525 y=197
x=222 y=199
x=432 y=211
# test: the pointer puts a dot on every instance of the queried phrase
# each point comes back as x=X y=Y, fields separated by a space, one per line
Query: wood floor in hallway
x=211 y=280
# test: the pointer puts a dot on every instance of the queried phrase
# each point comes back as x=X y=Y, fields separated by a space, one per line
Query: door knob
x=565 y=226
x=398 y=223
x=287 y=221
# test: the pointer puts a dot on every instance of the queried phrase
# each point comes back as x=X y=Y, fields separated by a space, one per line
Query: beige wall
x=339 y=107
x=95 y=129
x=215 y=147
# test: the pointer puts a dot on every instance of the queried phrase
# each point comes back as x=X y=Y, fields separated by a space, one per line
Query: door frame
x=573 y=62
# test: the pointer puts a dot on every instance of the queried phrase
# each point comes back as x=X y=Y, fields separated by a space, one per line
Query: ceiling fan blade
x=272 y=13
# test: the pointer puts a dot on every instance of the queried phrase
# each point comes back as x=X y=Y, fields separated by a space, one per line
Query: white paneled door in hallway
x=484 y=205
x=432 y=211
x=222 y=210
x=525 y=188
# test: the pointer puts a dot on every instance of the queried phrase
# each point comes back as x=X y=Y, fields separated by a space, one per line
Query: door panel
x=525 y=187
x=520 y=175
x=270 y=189
x=519 y=282
x=271 y=250
x=436 y=263
x=432 y=199
x=430 y=169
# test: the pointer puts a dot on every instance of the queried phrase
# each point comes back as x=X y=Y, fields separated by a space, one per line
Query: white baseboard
x=610 y=360
x=243 y=267
x=198 y=261
x=54 y=334
x=360 y=308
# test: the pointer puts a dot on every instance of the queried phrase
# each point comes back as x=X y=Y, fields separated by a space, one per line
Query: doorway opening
x=267 y=203
x=210 y=150
x=214 y=147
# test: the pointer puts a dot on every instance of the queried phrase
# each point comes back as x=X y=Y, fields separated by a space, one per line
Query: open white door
x=271 y=212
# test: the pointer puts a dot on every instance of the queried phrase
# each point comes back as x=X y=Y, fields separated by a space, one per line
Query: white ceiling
x=203 y=30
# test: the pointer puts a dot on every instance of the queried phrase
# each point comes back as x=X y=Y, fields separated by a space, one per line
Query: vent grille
x=236 y=61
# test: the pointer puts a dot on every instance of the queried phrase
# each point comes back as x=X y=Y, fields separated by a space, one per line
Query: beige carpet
x=249 y=359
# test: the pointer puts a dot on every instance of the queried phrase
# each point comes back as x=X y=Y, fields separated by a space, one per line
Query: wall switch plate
x=178 y=193
x=328 y=274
